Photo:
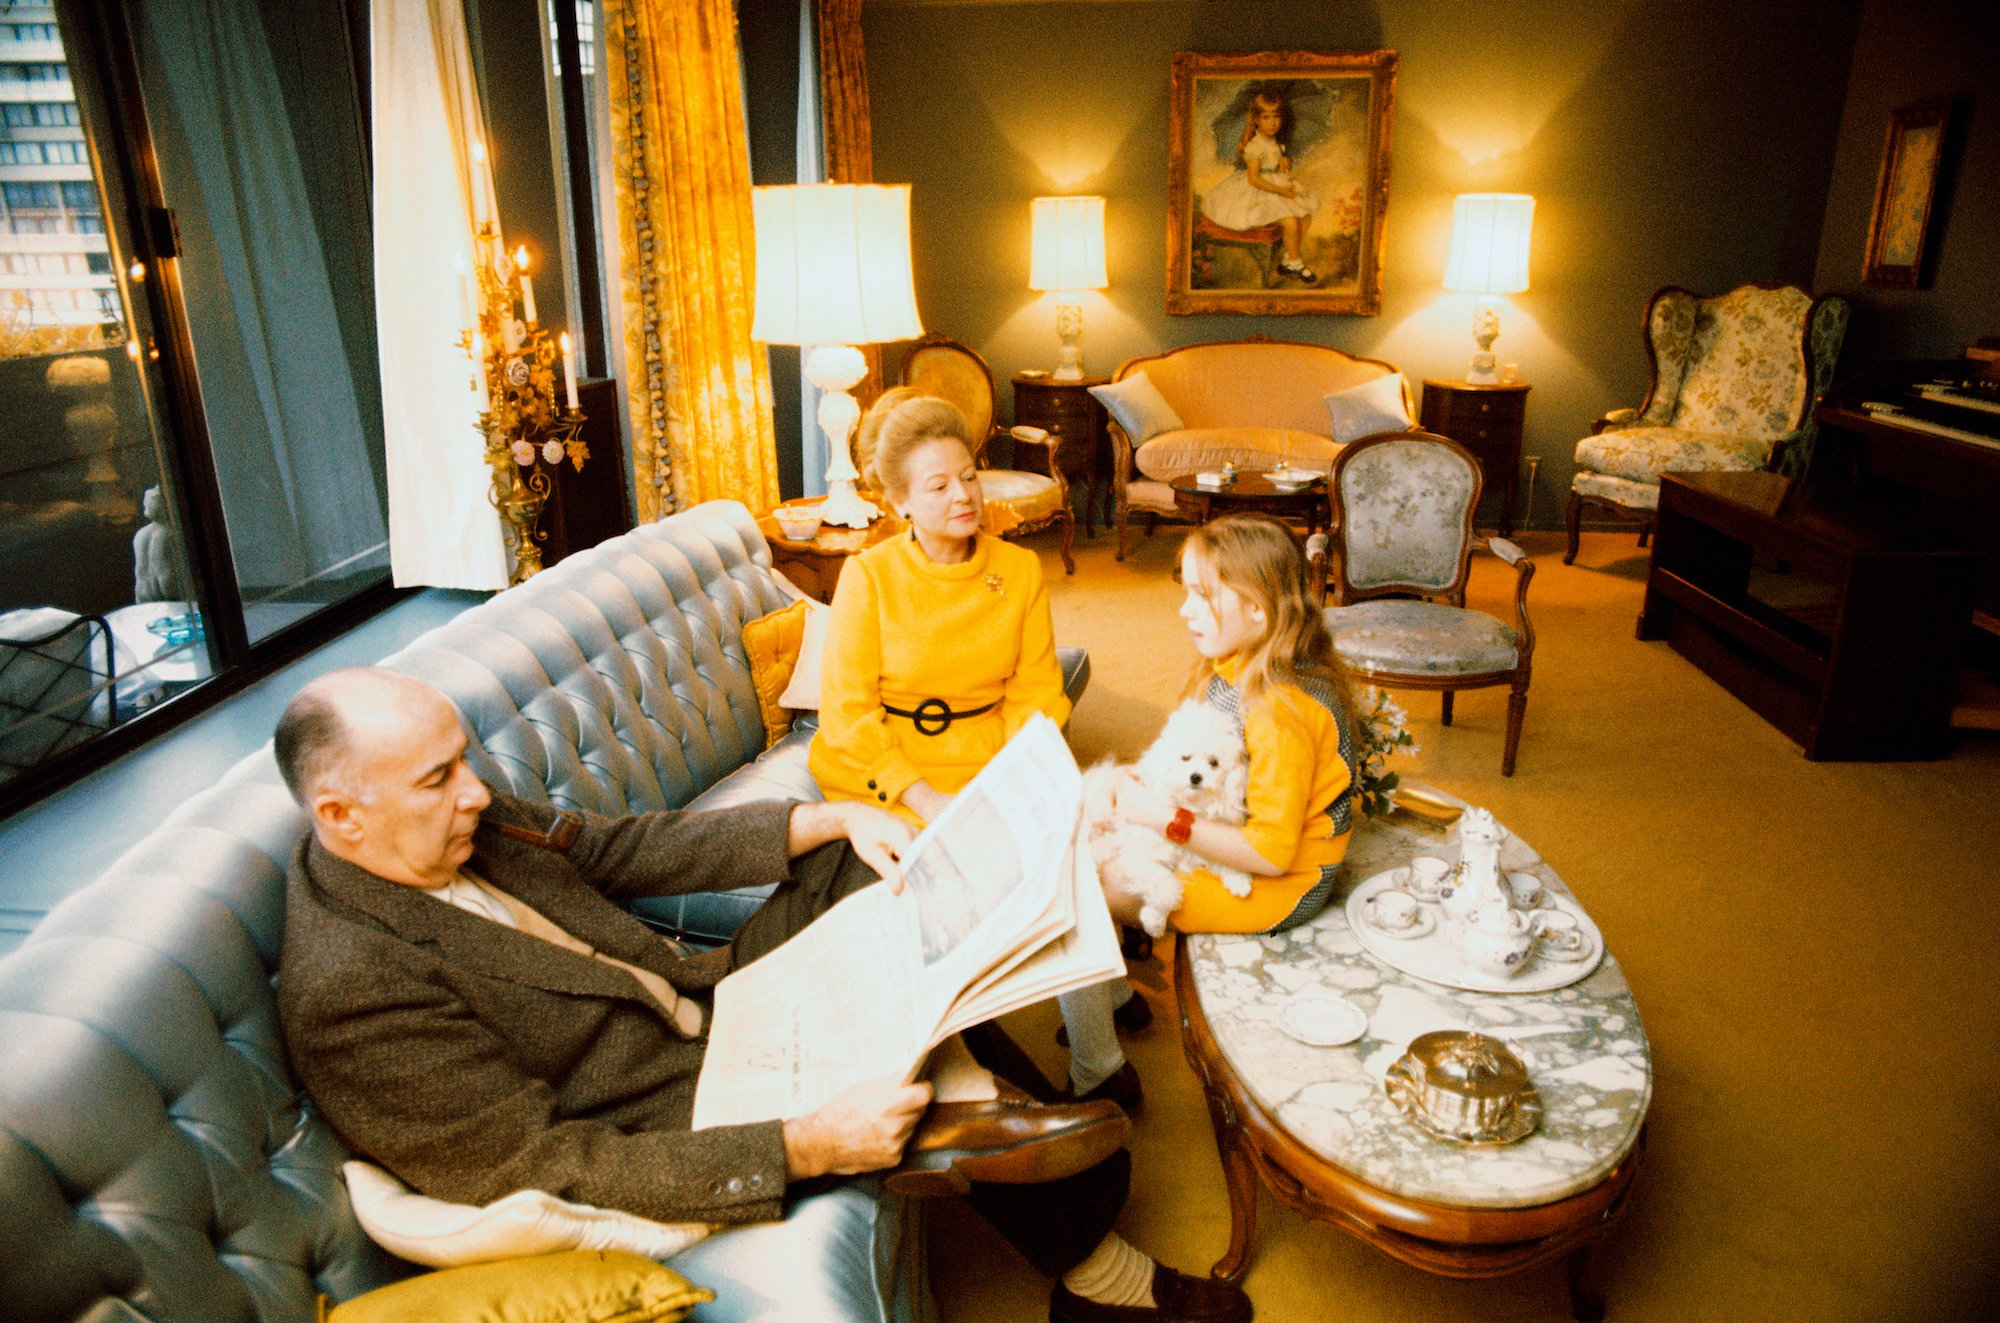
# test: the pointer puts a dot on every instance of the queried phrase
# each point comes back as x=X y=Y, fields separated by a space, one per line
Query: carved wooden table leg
x=1241 y=1174
x=1585 y=1305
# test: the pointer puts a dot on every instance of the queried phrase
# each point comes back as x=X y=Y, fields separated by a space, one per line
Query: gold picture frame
x=1906 y=196
x=1309 y=129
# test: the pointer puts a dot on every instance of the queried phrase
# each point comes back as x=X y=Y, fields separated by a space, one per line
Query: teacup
x=1427 y=874
x=1526 y=889
x=1559 y=934
x=1392 y=911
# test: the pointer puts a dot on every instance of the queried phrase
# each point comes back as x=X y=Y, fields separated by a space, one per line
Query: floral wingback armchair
x=1735 y=378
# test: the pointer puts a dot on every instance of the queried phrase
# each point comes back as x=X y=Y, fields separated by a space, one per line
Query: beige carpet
x=1810 y=945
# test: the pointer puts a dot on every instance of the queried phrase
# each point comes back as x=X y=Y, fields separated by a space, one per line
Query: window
x=147 y=549
x=38 y=114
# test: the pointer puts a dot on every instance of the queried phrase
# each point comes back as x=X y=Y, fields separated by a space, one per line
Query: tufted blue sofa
x=156 y=1160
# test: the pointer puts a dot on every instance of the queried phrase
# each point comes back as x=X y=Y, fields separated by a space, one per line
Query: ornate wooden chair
x=1735 y=378
x=1402 y=545
x=1027 y=502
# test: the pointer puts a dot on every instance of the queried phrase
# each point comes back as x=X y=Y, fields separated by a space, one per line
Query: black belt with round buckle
x=934 y=716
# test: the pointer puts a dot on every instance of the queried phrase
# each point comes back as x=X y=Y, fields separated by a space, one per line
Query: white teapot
x=1497 y=940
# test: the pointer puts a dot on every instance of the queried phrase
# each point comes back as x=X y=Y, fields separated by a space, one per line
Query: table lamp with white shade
x=1489 y=255
x=1067 y=255
x=833 y=272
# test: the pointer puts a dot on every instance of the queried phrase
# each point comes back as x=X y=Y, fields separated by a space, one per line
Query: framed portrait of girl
x=1277 y=181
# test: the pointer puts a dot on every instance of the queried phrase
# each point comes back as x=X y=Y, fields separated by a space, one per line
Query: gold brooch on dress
x=993 y=584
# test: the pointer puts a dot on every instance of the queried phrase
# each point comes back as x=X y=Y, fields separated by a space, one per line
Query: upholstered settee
x=1735 y=379
x=157 y=1160
x=1254 y=403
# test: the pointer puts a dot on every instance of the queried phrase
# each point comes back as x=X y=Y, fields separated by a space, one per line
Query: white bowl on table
x=800 y=523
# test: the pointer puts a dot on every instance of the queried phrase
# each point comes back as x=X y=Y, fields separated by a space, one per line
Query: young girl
x=1267 y=660
x=1261 y=190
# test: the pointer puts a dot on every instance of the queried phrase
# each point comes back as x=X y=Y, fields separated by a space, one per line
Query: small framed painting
x=1277 y=181
x=1900 y=236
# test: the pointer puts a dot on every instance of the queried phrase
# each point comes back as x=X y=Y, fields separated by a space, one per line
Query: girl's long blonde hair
x=1262 y=561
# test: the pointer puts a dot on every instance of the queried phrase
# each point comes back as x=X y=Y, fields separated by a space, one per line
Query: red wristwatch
x=1181 y=827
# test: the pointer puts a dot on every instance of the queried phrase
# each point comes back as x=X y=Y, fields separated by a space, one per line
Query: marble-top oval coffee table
x=1315 y=1124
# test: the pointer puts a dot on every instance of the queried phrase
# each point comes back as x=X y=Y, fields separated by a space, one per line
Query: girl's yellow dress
x=1300 y=801
x=905 y=629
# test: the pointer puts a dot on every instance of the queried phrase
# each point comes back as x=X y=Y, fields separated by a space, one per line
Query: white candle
x=569 y=369
x=479 y=184
x=527 y=285
x=479 y=369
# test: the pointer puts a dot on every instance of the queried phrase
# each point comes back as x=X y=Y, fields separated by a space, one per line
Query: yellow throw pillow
x=774 y=643
x=578 y=1286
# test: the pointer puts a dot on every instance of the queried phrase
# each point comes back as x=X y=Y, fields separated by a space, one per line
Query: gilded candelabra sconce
x=514 y=371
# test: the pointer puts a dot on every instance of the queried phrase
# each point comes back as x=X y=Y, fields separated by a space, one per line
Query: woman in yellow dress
x=940 y=648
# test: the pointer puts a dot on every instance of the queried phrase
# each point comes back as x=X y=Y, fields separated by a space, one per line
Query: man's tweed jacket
x=472 y=1060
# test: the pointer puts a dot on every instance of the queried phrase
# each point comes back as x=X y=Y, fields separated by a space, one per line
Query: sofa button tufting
x=871 y=785
x=756 y=1182
x=736 y=1185
x=884 y=798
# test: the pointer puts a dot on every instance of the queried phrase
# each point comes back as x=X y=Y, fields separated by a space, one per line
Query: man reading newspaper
x=467 y=1005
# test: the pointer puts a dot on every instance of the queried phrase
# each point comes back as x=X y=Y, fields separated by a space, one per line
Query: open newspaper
x=1000 y=909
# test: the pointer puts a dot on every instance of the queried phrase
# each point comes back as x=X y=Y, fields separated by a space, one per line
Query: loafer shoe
x=1011 y=1140
x=1177 y=1298
x=1135 y=1015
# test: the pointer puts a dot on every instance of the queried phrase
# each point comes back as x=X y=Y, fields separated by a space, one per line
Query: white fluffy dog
x=1197 y=763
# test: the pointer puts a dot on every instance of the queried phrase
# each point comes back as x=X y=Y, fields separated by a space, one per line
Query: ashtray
x=1322 y=1021
x=1214 y=478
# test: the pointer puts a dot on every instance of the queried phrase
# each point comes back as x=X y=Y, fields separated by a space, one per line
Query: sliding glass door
x=190 y=426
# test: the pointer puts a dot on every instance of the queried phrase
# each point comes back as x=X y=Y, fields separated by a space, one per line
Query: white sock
x=956 y=1077
x=1114 y=1274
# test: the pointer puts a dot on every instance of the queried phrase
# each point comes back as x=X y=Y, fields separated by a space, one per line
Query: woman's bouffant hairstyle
x=1262 y=561
x=900 y=421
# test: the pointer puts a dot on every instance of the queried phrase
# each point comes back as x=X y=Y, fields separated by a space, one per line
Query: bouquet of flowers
x=1381 y=728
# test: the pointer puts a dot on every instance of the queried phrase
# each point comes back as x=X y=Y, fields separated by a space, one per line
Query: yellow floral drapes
x=699 y=391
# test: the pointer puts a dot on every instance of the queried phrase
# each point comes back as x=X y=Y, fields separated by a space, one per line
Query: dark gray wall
x=1907 y=53
x=1687 y=143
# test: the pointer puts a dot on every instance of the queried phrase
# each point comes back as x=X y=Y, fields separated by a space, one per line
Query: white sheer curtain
x=443 y=529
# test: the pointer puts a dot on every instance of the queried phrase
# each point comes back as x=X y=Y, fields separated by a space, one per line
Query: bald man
x=468 y=1005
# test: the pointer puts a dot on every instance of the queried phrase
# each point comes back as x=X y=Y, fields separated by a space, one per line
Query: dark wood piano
x=1846 y=608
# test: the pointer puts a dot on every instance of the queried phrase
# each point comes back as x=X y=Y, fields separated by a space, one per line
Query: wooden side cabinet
x=1487 y=421
x=1068 y=409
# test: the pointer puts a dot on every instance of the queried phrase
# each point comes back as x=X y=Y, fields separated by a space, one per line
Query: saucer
x=1322 y=1021
x=1426 y=922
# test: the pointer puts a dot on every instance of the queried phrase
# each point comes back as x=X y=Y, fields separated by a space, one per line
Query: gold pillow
x=578 y=1286
x=774 y=643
